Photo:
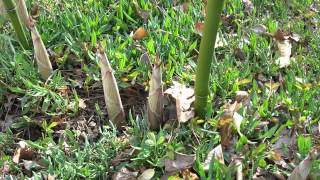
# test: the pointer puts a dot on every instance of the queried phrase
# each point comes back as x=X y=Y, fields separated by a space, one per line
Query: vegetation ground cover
x=64 y=123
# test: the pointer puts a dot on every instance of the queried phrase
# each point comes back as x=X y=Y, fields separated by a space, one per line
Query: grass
x=38 y=112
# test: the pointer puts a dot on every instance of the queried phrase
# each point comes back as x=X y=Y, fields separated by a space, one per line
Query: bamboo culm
x=211 y=25
x=16 y=23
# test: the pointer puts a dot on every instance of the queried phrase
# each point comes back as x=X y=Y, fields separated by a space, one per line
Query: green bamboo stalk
x=16 y=23
x=211 y=25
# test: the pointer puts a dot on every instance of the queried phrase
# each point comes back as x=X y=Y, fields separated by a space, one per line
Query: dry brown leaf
x=237 y=120
x=215 y=153
x=63 y=91
x=123 y=156
x=230 y=115
x=147 y=174
x=51 y=177
x=35 y=11
x=262 y=174
x=248 y=4
x=181 y=161
x=224 y=125
x=182 y=7
x=302 y=171
x=111 y=91
x=41 y=54
x=260 y=29
x=30 y=165
x=199 y=27
x=82 y=104
x=204 y=12
x=144 y=14
x=239 y=54
x=184 y=97
x=275 y=156
x=155 y=99
x=285 y=53
x=140 y=33
x=285 y=140
x=242 y=97
x=125 y=174
x=187 y=174
x=220 y=41
x=280 y=35
x=239 y=167
x=23 y=152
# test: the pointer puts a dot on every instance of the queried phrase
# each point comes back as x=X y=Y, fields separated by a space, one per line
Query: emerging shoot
x=155 y=99
x=111 y=91
x=40 y=51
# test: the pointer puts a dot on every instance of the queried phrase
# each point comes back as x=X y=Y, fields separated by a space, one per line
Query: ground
x=60 y=128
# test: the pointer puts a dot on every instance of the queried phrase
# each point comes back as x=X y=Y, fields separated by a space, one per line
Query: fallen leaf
x=272 y=87
x=285 y=140
x=262 y=174
x=239 y=167
x=285 y=53
x=220 y=41
x=242 y=97
x=199 y=27
x=224 y=125
x=63 y=91
x=187 y=174
x=182 y=7
x=276 y=157
x=23 y=152
x=295 y=37
x=144 y=58
x=35 y=12
x=248 y=4
x=280 y=35
x=243 y=81
x=140 y=33
x=237 y=119
x=144 y=14
x=239 y=54
x=171 y=175
x=125 y=174
x=184 y=97
x=82 y=104
x=204 y=12
x=302 y=171
x=260 y=29
x=181 y=161
x=30 y=165
x=123 y=156
x=215 y=153
x=147 y=174
x=51 y=177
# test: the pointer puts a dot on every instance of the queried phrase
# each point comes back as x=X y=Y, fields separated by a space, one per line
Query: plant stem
x=12 y=13
x=211 y=25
